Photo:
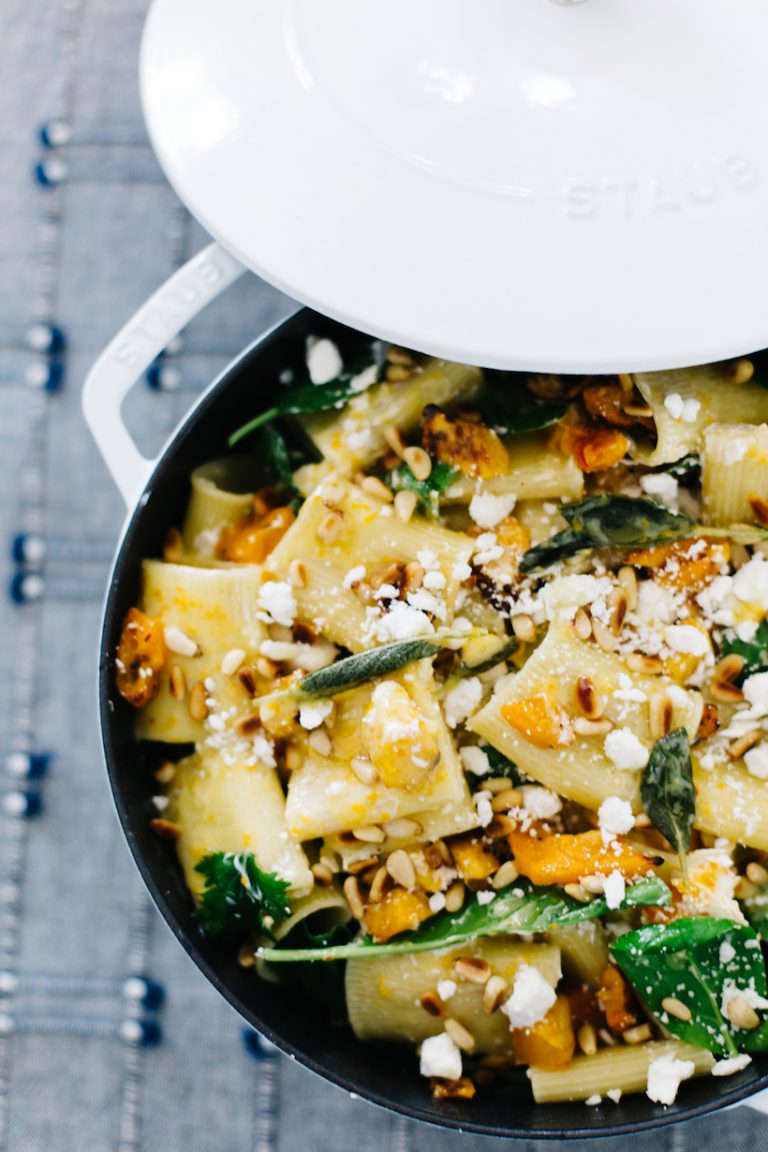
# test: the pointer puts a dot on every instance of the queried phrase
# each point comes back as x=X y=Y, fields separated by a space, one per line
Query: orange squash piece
x=251 y=540
x=607 y=402
x=398 y=911
x=563 y=858
x=551 y=1042
x=541 y=720
x=473 y=861
x=474 y=449
x=594 y=448
x=141 y=658
x=615 y=998
x=688 y=565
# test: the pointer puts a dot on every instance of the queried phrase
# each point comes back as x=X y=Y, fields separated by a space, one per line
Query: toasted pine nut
x=737 y=749
x=322 y=874
x=642 y=820
x=394 y=440
x=402 y=356
x=505 y=875
x=500 y=826
x=603 y=635
x=757 y=873
x=496 y=784
x=248 y=725
x=660 y=715
x=454 y=897
x=413 y=576
x=320 y=741
x=461 y=1036
x=674 y=1007
x=637 y=1035
x=742 y=371
x=370 y=834
x=173 y=549
x=232 y=660
x=472 y=968
x=444 y=853
x=582 y=625
x=584 y=727
x=618 y=604
x=178 y=685
x=178 y=642
x=400 y=868
x=628 y=580
x=247 y=678
x=577 y=892
x=332 y=494
x=353 y=897
x=405 y=505
x=292 y=758
x=627 y=381
x=590 y=703
x=725 y=692
x=376 y=891
x=432 y=1004
x=297 y=574
x=375 y=487
x=364 y=770
x=418 y=461
x=246 y=957
x=508 y=798
x=165 y=773
x=595 y=885
x=403 y=828
x=587 y=1038
x=759 y=506
x=741 y=1014
x=639 y=662
x=357 y=867
x=397 y=373
x=329 y=528
x=198 y=702
x=524 y=628
x=266 y=668
x=494 y=993
x=165 y=829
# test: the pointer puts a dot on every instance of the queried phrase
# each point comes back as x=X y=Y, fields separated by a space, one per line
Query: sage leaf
x=667 y=790
x=509 y=408
x=684 y=960
x=428 y=491
x=523 y=907
x=364 y=667
x=754 y=651
x=609 y=522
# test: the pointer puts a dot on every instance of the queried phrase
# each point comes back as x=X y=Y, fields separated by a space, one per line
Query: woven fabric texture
x=110 y=1039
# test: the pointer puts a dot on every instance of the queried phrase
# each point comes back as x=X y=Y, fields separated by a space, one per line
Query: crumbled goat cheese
x=178 y=641
x=665 y=1075
x=485 y=897
x=488 y=510
x=461 y=571
x=756 y=760
x=614 y=890
x=679 y=409
x=314 y=712
x=662 y=486
x=747 y=630
x=364 y=379
x=436 y=902
x=685 y=638
x=734 y=450
x=446 y=988
x=354 y=576
x=562 y=598
x=484 y=809
x=440 y=1057
x=750 y=584
x=615 y=817
x=727 y=952
x=593 y=1100
x=731 y=1065
x=614 y=1094
x=678 y=696
x=277 y=603
x=625 y=750
x=402 y=622
x=531 y=999
x=324 y=362
x=475 y=760
x=755 y=689
x=462 y=701
x=716 y=600
x=540 y=802
x=434 y=581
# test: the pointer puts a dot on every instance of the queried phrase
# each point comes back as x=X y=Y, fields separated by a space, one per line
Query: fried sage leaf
x=667 y=790
x=523 y=907
x=704 y=964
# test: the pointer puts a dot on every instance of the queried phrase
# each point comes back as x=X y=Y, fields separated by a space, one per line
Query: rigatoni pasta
x=458 y=684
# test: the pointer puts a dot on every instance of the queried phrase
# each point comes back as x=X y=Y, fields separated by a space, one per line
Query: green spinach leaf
x=428 y=491
x=667 y=790
x=239 y=897
x=685 y=466
x=522 y=907
x=510 y=409
x=756 y=910
x=701 y=963
x=754 y=651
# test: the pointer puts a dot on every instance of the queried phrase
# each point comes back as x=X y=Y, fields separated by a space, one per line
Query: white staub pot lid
x=514 y=183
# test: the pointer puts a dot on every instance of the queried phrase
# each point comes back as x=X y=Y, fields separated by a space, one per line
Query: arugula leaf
x=238 y=896
x=510 y=409
x=609 y=521
x=272 y=451
x=754 y=651
x=364 y=667
x=522 y=907
x=667 y=790
x=756 y=910
x=304 y=396
x=428 y=491
x=683 y=960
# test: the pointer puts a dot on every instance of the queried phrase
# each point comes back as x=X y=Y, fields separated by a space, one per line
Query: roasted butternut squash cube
x=541 y=720
x=251 y=540
x=398 y=911
x=551 y=1042
x=141 y=658
x=472 y=858
x=615 y=998
x=594 y=448
x=473 y=448
x=563 y=858
x=688 y=565
x=401 y=743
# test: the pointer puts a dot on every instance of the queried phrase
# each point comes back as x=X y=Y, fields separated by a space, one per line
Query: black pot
x=386 y=1075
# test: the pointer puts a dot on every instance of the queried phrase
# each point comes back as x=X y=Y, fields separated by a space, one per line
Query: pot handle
x=131 y=352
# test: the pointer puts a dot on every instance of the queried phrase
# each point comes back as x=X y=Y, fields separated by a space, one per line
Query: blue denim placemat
x=109 y=1037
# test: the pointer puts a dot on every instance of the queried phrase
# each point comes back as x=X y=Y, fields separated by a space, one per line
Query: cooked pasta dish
x=455 y=690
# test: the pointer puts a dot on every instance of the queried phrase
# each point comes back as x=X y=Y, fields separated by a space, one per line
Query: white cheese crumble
x=625 y=750
x=593 y=1100
x=665 y=1075
x=679 y=409
x=354 y=576
x=540 y=802
x=434 y=581
x=661 y=486
x=364 y=379
x=755 y=690
x=727 y=952
x=440 y=1056
x=750 y=584
x=402 y=622
x=615 y=817
x=436 y=902
x=614 y=890
x=324 y=362
x=475 y=760
x=462 y=701
x=277 y=603
x=178 y=641
x=461 y=571
x=688 y=639
x=485 y=897
x=314 y=712
x=756 y=760
x=531 y=999
x=446 y=989
x=731 y=1065
x=614 y=1094
x=483 y=807
x=562 y=598
x=488 y=510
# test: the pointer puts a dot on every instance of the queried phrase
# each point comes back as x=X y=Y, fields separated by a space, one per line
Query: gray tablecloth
x=87 y=970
